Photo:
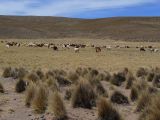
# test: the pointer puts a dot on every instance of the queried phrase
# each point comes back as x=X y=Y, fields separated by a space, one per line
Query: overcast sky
x=81 y=8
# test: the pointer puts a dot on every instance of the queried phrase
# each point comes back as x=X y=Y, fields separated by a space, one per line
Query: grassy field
x=113 y=60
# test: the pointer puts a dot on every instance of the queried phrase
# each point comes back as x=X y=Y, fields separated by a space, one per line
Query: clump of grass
x=73 y=77
x=40 y=73
x=52 y=84
x=152 y=111
x=106 y=111
x=33 y=77
x=129 y=80
x=150 y=76
x=143 y=101
x=20 y=86
x=99 y=89
x=30 y=93
x=62 y=81
x=83 y=95
x=118 y=78
x=141 y=72
x=56 y=105
x=68 y=94
x=107 y=76
x=134 y=94
x=81 y=71
x=39 y=101
x=7 y=72
x=49 y=74
x=156 y=80
x=119 y=98
x=1 y=88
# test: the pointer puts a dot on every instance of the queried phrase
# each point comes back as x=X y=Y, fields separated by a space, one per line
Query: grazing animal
x=98 y=49
x=76 y=49
x=142 y=49
x=55 y=48
x=7 y=46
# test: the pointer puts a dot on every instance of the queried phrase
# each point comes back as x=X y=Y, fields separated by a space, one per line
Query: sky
x=80 y=8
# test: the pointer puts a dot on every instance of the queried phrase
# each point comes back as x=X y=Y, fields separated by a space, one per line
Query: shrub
x=119 y=98
x=156 y=80
x=39 y=101
x=143 y=101
x=152 y=111
x=30 y=93
x=141 y=72
x=73 y=77
x=57 y=106
x=118 y=78
x=1 y=88
x=7 y=72
x=83 y=95
x=20 y=86
x=106 y=111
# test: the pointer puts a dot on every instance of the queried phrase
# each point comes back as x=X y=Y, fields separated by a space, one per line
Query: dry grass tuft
x=1 y=88
x=33 y=77
x=30 y=93
x=150 y=76
x=129 y=80
x=83 y=95
x=119 y=98
x=7 y=72
x=56 y=105
x=156 y=80
x=40 y=73
x=73 y=77
x=20 y=86
x=141 y=72
x=118 y=78
x=99 y=89
x=152 y=111
x=106 y=111
x=39 y=102
x=62 y=81
x=134 y=94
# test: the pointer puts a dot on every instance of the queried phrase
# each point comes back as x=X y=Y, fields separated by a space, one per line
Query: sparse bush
x=83 y=95
x=1 y=88
x=106 y=111
x=73 y=77
x=152 y=111
x=39 y=101
x=156 y=81
x=30 y=93
x=118 y=78
x=7 y=72
x=119 y=98
x=57 y=106
x=143 y=101
x=141 y=72
x=20 y=86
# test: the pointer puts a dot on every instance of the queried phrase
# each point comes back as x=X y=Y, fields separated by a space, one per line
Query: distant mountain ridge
x=117 y=28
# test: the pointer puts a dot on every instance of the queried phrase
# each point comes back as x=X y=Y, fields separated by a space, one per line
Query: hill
x=120 y=28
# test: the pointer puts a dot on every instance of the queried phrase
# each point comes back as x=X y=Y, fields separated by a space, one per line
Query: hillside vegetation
x=120 y=28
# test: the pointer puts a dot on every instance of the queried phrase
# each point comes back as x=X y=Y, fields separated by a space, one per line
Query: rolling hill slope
x=120 y=28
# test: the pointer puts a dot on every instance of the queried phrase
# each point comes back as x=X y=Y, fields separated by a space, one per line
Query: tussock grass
x=83 y=95
x=106 y=111
x=56 y=105
x=7 y=72
x=20 y=86
x=73 y=77
x=1 y=88
x=129 y=80
x=39 y=102
x=33 y=77
x=118 y=78
x=141 y=72
x=30 y=93
x=119 y=98
x=156 y=80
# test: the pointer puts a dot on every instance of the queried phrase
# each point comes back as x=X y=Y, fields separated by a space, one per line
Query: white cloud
x=63 y=7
